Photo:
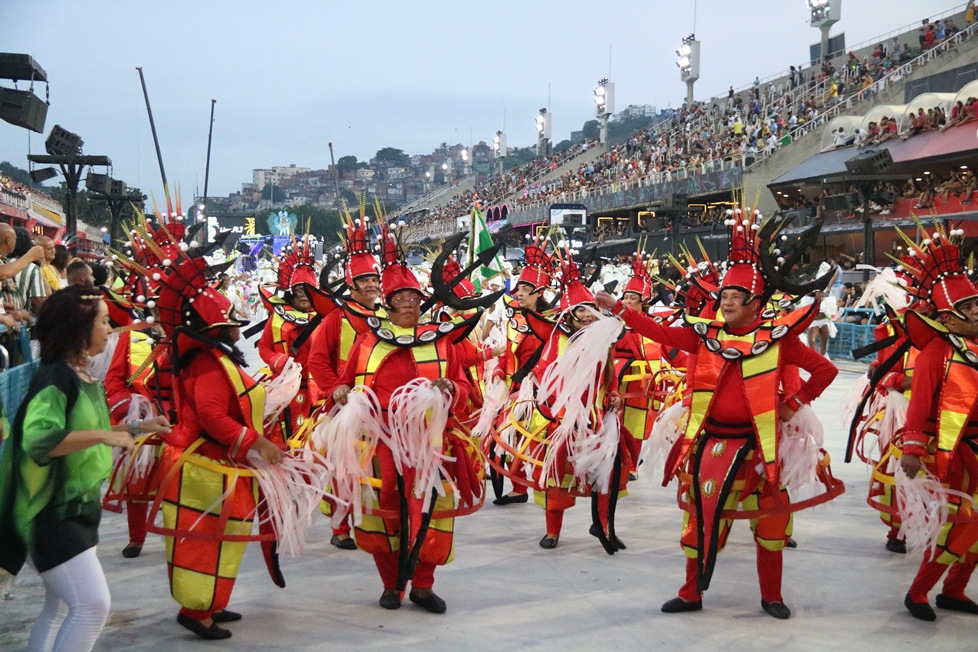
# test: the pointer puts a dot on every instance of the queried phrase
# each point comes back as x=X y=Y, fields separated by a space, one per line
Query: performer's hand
x=444 y=385
x=910 y=465
x=605 y=301
x=269 y=451
x=614 y=402
x=340 y=394
x=785 y=412
x=498 y=350
x=118 y=439
x=154 y=425
x=906 y=383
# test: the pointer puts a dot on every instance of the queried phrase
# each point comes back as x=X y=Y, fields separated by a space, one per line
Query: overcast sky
x=291 y=75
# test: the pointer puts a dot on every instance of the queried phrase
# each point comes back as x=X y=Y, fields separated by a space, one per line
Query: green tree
x=592 y=128
x=17 y=174
x=266 y=192
x=392 y=155
x=347 y=163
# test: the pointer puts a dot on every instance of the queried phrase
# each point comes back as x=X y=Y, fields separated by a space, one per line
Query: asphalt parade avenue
x=506 y=593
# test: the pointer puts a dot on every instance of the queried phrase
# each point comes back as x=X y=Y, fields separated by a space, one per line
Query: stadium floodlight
x=689 y=64
x=499 y=145
x=543 y=133
x=604 y=106
x=822 y=15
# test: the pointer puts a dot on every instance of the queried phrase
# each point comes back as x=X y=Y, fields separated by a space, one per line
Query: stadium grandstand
x=680 y=175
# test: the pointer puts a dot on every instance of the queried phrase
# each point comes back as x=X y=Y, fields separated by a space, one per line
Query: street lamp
x=604 y=105
x=689 y=65
x=543 y=133
x=823 y=14
x=465 y=162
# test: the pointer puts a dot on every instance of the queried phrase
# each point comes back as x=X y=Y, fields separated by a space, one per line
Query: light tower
x=823 y=15
x=499 y=148
x=689 y=65
x=543 y=133
x=604 y=106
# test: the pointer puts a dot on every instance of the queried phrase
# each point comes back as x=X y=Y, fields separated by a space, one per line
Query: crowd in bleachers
x=740 y=129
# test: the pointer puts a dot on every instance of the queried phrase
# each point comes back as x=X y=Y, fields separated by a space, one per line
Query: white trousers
x=80 y=584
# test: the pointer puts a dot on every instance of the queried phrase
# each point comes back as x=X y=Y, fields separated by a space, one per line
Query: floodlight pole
x=71 y=168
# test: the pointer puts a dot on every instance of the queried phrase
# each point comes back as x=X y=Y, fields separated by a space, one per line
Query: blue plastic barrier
x=849 y=337
x=13 y=386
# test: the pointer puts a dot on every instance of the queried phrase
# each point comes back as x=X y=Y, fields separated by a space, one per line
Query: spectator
x=27 y=291
x=48 y=271
x=60 y=264
x=79 y=273
x=969 y=13
x=839 y=137
x=100 y=275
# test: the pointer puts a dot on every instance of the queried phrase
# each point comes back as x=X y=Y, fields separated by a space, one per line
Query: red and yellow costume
x=284 y=327
x=941 y=428
x=729 y=453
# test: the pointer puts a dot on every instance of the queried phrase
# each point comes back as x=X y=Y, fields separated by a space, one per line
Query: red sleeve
x=822 y=372
x=469 y=354
x=267 y=349
x=928 y=378
x=323 y=348
x=456 y=373
x=216 y=405
x=117 y=393
x=681 y=338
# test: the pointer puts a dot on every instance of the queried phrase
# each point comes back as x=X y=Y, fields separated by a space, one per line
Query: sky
x=292 y=75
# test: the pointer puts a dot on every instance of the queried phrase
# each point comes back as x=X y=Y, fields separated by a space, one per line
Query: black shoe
x=548 y=543
x=790 y=543
x=919 y=610
x=678 y=605
x=896 y=545
x=777 y=609
x=507 y=499
x=391 y=599
x=955 y=604
x=594 y=532
x=225 y=616
x=432 y=603
x=132 y=550
x=632 y=477
x=212 y=633
x=343 y=544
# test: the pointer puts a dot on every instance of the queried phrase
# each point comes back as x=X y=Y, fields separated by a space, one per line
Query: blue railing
x=849 y=337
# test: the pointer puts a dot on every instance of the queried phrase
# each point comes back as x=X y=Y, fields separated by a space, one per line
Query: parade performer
x=138 y=385
x=332 y=341
x=52 y=468
x=937 y=451
x=734 y=447
x=638 y=361
x=287 y=333
x=572 y=443
x=524 y=347
x=415 y=372
x=209 y=493
x=878 y=409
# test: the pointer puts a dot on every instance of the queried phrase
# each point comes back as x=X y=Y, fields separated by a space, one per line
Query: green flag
x=479 y=240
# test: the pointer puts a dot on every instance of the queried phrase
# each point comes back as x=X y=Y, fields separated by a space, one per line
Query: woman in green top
x=53 y=466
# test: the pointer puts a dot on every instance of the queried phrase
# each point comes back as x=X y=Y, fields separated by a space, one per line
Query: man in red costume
x=940 y=436
x=287 y=331
x=524 y=346
x=736 y=408
x=388 y=356
x=332 y=341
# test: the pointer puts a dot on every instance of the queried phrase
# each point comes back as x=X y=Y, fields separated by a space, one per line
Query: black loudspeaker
x=23 y=109
x=98 y=183
x=62 y=142
x=870 y=163
x=846 y=202
x=884 y=197
x=676 y=200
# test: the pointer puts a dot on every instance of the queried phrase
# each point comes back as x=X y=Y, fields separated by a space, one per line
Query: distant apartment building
x=633 y=111
x=275 y=174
